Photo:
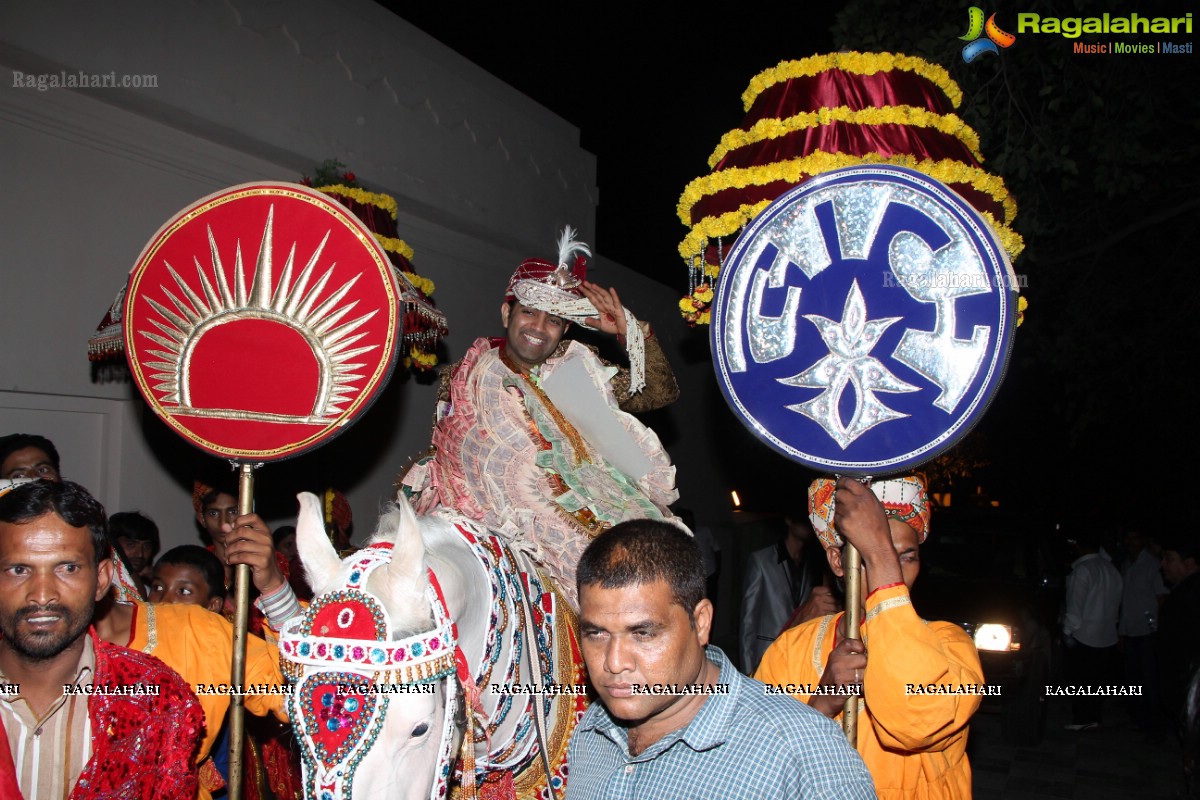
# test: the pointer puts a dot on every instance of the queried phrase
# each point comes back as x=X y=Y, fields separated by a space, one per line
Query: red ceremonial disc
x=261 y=321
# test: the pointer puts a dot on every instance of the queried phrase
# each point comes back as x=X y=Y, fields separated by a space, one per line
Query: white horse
x=410 y=638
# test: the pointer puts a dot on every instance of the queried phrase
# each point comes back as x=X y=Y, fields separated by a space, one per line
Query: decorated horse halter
x=342 y=659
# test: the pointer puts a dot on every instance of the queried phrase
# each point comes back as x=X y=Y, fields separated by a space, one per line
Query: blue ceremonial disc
x=863 y=321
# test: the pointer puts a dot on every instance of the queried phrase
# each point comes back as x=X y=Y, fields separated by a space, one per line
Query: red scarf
x=8 y=771
x=143 y=745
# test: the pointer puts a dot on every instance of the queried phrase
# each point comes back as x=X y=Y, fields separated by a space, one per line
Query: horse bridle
x=339 y=651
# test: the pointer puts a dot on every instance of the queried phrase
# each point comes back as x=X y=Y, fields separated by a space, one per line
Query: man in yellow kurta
x=920 y=681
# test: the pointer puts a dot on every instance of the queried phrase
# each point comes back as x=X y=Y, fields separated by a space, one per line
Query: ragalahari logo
x=976 y=27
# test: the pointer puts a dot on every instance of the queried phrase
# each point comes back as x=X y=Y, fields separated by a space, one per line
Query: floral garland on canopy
x=807 y=117
x=424 y=325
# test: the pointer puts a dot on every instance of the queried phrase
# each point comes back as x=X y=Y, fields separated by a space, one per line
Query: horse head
x=373 y=663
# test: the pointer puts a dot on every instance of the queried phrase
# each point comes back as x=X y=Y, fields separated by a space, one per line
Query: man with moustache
x=505 y=453
x=675 y=719
x=81 y=717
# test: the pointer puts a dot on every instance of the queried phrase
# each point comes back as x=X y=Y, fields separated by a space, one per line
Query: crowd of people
x=1134 y=622
x=90 y=612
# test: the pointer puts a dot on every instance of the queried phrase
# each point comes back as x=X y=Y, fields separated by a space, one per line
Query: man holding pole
x=239 y=538
x=920 y=682
x=245 y=539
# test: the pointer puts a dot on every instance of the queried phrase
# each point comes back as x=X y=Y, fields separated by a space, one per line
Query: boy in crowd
x=246 y=539
x=27 y=455
x=191 y=575
x=137 y=536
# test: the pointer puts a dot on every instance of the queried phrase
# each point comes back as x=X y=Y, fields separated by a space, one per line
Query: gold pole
x=241 y=624
x=852 y=567
x=853 y=571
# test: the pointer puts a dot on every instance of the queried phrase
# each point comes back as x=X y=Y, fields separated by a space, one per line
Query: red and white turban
x=554 y=289
x=904 y=499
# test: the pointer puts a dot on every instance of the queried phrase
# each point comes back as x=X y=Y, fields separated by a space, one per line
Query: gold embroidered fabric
x=661 y=387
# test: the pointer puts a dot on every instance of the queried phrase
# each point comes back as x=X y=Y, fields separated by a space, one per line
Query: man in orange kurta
x=921 y=681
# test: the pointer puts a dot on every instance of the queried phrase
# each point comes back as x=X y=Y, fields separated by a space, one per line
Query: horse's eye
x=420 y=730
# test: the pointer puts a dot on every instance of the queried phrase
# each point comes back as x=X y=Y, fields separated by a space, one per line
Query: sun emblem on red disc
x=261 y=320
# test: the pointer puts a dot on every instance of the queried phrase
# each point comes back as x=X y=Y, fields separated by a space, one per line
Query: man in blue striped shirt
x=676 y=719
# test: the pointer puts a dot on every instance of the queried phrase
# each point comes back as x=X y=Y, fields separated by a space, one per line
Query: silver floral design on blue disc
x=863 y=321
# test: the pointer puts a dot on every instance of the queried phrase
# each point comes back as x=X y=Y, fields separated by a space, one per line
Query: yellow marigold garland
x=420 y=360
x=947 y=171
x=695 y=308
x=859 y=63
x=723 y=225
x=772 y=128
x=1012 y=242
x=421 y=283
x=384 y=201
x=393 y=245
x=944 y=170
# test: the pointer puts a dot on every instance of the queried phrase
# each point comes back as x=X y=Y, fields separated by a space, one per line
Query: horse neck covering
x=503 y=720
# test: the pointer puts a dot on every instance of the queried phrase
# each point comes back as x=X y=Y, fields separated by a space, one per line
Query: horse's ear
x=408 y=550
x=321 y=562
x=404 y=578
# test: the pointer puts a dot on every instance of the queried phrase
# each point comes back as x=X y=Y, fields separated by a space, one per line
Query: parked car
x=1001 y=581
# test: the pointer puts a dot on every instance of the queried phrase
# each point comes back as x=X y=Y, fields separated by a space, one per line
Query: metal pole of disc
x=241 y=626
x=852 y=564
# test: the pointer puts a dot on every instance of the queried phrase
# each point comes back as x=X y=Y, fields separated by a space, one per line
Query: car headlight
x=994 y=637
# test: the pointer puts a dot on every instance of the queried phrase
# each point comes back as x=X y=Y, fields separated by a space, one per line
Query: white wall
x=245 y=91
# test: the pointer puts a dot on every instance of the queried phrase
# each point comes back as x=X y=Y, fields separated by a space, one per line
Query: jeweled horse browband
x=420 y=658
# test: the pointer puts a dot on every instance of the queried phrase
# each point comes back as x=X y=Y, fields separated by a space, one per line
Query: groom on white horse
x=521 y=442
